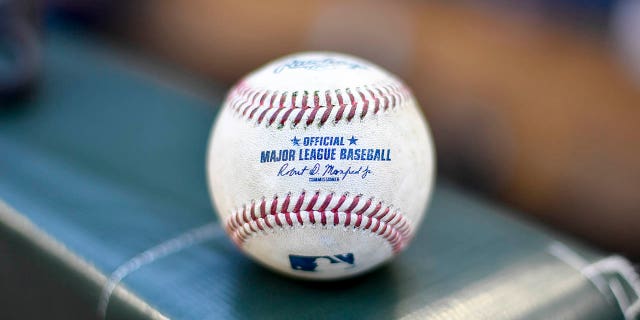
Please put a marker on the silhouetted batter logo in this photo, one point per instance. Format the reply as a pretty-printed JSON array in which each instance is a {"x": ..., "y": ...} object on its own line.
[{"x": 321, "y": 263}]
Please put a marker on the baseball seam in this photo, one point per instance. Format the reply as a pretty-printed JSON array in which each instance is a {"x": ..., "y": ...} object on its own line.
[
  {"x": 366, "y": 215},
  {"x": 308, "y": 107}
]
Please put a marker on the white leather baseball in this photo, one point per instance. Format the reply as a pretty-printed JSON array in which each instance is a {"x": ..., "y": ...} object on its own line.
[{"x": 320, "y": 165}]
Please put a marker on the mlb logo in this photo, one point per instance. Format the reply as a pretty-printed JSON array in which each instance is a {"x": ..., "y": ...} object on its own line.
[{"x": 321, "y": 263}]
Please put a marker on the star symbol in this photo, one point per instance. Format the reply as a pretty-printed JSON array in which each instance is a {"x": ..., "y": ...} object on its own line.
[
  {"x": 296, "y": 141},
  {"x": 352, "y": 140}
]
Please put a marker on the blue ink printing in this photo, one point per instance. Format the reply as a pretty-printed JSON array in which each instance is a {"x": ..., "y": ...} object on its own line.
[
  {"x": 319, "y": 64},
  {"x": 321, "y": 263}
]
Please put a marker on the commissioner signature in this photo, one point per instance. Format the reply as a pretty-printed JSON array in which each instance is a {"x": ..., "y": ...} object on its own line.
[{"x": 329, "y": 170}]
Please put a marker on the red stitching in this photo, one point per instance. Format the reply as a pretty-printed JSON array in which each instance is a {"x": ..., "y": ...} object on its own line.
[
  {"x": 269, "y": 107},
  {"x": 342, "y": 107},
  {"x": 327, "y": 112},
  {"x": 244, "y": 222},
  {"x": 326, "y": 202}
]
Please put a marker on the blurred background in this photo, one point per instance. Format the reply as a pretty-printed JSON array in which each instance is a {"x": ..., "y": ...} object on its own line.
[{"x": 535, "y": 103}]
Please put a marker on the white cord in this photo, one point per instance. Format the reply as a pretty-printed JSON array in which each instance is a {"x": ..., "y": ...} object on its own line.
[{"x": 179, "y": 243}]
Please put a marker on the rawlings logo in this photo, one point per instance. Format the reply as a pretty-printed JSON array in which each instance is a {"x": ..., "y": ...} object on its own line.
[
  {"x": 321, "y": 263},
  {"x": 319, "y": 64}
]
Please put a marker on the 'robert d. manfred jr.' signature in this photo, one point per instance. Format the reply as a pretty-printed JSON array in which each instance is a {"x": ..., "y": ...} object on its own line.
[{"x": 329, "y": 170}]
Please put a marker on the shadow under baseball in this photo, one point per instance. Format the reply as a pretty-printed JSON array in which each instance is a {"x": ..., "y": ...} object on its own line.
[{"x": 268, "y": 295}]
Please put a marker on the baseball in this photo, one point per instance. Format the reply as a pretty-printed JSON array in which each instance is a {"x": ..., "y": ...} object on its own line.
[{"x": 320, "y": 165}]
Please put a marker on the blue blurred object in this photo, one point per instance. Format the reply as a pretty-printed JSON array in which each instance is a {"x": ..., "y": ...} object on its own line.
[
  {"x": 19, "y": 47},
  {"x": 586, "y": 13}
]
